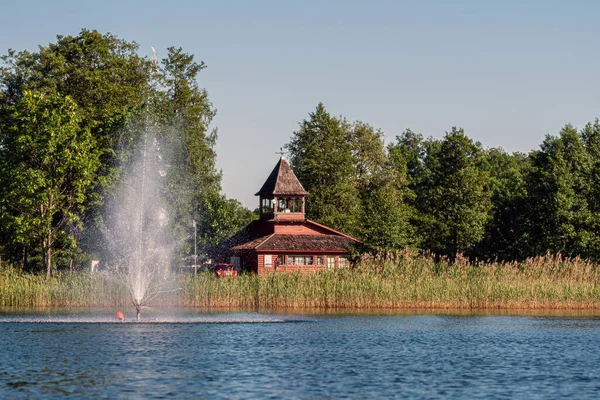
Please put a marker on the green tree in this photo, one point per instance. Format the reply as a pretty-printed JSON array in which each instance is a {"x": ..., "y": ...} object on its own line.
[
  {"x": 119, "y": 96},
  {"x": 590, "y": 135},
  {"x": 103, "y": 75},
  {"x": 368, "y": 152},
  {"x": 506, "y": 236},
  {"x": 387, "y": 211},
  {"x": 222, "y": 219},
  {"x": 321, "y": 154},
  {"x": 386, "y": 198},
  {"x": 194, "y": 183},
  {"x": 561, "y": 193},
  {"x": 47, "y": 163},
  {"x": 109, "y": 82},
  {"x": 406, "y": 159},
  {"x": 454, "y": 195}
]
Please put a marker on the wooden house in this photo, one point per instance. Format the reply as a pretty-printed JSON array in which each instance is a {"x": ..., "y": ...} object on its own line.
[{"x": 282, "y": 239}]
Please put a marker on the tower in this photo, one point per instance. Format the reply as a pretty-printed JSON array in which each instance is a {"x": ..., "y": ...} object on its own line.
[{"x": 282, "y": 197}]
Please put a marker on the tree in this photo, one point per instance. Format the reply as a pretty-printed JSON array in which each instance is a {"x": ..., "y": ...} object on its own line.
[
  {"x": 406, "y": 159},
  {"x": 454, "y": 195},
  {"x": 562, "y": 195},
  {"x": 387, "y": 200},
  {"x": 387, "y": 211},
  {"x": 109, "y": 82},
  {"x": 321, "y": 155},
  {"x": 184, "y": 112},
  {"x": 590, "y": 135},
  {"x": 102, "y": 74},
  {"x": 119, "y": 96},
  {"x": 222, "y": 219},
  {"x": 47, "y": 164},
  {"x": 506, "y": 233}
]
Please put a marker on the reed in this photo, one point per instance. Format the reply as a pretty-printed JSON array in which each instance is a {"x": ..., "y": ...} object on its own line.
[
  {"x": 66, "y": 290},
  {"x": 393, "y": 281}
]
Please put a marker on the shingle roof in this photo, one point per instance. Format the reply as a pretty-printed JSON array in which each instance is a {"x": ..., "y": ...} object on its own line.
[
  {"x": 282, "y": 181},
  {"x": 298, "y": 243}
]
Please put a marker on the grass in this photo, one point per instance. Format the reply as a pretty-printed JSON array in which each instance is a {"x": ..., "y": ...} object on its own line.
[{"x": 393, "y": 282}]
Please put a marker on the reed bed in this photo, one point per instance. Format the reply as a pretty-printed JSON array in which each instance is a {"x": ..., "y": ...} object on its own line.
[
  {"x": 395, "y": 281},
  {"x": 411, "y": 282},
  {"x": 70, "y": 290}
]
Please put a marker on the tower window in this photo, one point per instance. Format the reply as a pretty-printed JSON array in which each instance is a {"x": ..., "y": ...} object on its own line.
[
  {"x": 289, "y": 205},
  {"x": 266, "y": 206}
]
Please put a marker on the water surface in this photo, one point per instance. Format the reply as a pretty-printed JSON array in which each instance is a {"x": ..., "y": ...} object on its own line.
[{"x": 252, "y": 355}]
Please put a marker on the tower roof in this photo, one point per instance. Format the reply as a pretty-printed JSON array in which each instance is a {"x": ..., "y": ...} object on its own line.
[{"x": 282, "y": 181}]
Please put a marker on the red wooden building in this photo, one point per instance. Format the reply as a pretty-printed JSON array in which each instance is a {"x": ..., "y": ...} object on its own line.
[{"x": 282, "y": 239}]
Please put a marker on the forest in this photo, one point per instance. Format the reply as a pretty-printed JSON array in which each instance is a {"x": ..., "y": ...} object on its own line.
[{"x": 71, "y": 114}]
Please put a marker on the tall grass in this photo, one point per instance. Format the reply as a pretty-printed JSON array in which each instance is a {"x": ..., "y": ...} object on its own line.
[
  {"x": 395, "y": 281},
  {"x": 70, "y": 290},
  {"x": 412, "y": 282}
]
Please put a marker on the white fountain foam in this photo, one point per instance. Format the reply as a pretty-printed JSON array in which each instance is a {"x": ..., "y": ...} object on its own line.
[{"x": 137, "y": 231}]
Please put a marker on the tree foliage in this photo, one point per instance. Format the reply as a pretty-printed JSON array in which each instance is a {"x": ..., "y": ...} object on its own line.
[
  {"x": 47, "y": 164},
  {"x": 321, "y": 154},
  {"x": 453, "y": 195},
  {"x": 117, "y": 95},
  {"x": 72, "y": 113},
  {"x": 562, "y": 194}
]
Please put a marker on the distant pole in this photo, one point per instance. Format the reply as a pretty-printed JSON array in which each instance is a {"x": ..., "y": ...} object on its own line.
[{"x": 195, "y": 251}]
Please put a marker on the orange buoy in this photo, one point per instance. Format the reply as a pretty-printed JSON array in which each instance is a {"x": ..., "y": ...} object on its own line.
[{"x": 120, "y": 315}]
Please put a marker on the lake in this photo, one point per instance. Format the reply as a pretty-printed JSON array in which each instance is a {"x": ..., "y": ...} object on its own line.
[{"x": 192, "y": 354}]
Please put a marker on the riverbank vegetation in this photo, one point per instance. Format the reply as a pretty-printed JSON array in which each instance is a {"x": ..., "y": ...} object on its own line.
[{"x": 401, "y": 282}]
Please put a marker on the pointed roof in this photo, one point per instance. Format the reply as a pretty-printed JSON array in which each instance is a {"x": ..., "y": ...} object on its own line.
[{"x": 282, "y": 181}]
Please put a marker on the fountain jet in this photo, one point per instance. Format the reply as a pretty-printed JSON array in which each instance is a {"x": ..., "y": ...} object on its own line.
[{"x": 138, "y": 237}]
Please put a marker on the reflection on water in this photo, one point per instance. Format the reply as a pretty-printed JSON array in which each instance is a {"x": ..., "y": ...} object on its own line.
[{"x": 257, "y": 355}]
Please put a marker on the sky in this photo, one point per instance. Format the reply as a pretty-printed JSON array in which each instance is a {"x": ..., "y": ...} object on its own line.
[{"x": 508, "y": 72}]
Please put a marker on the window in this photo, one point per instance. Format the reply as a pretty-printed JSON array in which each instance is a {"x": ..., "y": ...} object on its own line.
[
  {"x": 300, "y": 260},
  {"x": 280, "y": 260},
  {"x": 266, "y": 206},
  {"x": 320, "y": 260},
  {"x": 268, "y": 260},
  {"x": 343, "y": 262},
  {"x": 330, "y": 262},
  {"x": 296, "y": 260},
  {"x": 289, "y": 205},
  {"x": 295, "y": 205},
  {"x": 281, "y": 206}
]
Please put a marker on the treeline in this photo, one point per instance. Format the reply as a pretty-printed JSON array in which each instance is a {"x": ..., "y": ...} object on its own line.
[
  {"x": 452, "y": 196},
  {"x": 71, "y": 114}
]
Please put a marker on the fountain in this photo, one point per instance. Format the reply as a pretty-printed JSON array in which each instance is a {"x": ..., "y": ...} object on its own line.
[{"x": 139, "y": 244}]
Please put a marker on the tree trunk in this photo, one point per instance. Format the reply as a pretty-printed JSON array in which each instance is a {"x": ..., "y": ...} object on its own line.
[
  {"x": 70, "y": 266},
  {"x": 23, "y": 260},
  {"x": 49, "y": 254},
  {"x": 454, "y": 246}
]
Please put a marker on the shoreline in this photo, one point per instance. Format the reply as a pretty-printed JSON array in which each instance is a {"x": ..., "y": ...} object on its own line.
[{"x": 441, "y": 311}]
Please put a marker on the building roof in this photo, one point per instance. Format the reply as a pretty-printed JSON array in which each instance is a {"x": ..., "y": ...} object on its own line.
[
  {"x": 282, "y": 242},
  {"x": 282, "y": 181}
]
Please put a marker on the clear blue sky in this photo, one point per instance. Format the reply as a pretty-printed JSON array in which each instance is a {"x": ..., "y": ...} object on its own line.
[{"x": 508, "y": 72}]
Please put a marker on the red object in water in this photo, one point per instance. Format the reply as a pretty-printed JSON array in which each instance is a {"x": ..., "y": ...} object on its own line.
[{"x": 120, "y": 315}]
